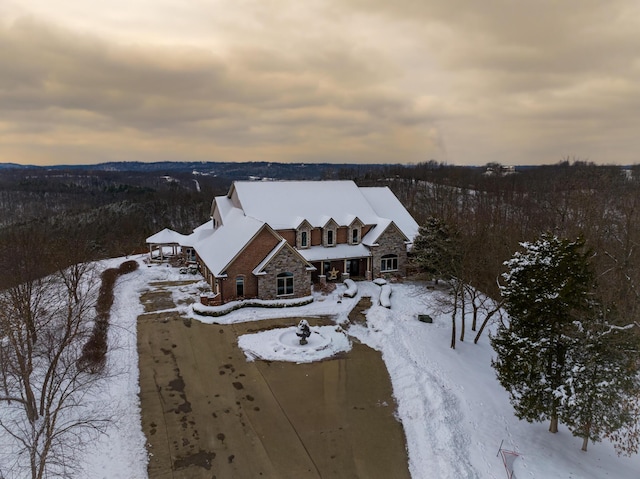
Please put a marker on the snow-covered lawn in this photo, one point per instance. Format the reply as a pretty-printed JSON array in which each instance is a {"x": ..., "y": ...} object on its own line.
[{"x": 454, "y": 412}]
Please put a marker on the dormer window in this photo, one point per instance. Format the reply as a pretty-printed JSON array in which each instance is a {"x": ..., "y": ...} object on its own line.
[
  {"x": 330, "y": 233},
  {"x": 355, "y": 236},
  {"x": 303, "y": 235},
  {"x": 355, "y": 231}
]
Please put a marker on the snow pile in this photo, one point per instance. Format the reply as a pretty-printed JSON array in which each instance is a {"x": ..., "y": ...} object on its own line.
[
  {"x": 385, "y": 295},
  {"x": 352, "y": 288},
  {"x": 282, "y": 344}
]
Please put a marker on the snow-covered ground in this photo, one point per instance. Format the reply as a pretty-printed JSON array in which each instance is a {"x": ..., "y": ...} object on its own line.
[{"x": 454, "y": 412}]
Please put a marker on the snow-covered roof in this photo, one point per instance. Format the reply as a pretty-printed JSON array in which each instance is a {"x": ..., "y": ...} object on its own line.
[
  {"x": 220, "y": 247},
  {"x": 371, "y": 238},
  {"x": 282, "y": 204},
  {"x": 199, "y": 233},
  {"x": 250, "y": 206},
  {"x": 339, "y": 251},
  {"x": 387, "y": 205},
  {"x": 224, "y": 205},
  {"x": 166, "y": 236}
]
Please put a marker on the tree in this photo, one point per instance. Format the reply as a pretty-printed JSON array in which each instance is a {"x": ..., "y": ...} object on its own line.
[
  {"x": 44, "y": 323},
  {"x": 547, "y": 288},
  {"x": 435, "y": 249},
  {"x": 562, "y": 357},
  {"x": 601, "y": 396}
]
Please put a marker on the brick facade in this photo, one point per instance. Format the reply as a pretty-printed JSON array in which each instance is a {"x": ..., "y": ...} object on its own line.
[
  {"x": 316, "y": 236},
  {"x": 243, "y": 265}
]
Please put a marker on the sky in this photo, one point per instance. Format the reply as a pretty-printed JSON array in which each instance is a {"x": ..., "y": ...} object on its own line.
[{"x": 338, "y": 81}]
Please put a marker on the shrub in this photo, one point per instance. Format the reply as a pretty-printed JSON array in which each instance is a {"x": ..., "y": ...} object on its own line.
[{"x": 94, "y": 352}]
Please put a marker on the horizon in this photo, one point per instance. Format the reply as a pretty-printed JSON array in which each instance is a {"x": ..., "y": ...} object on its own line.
[
  {"x": 327, "y": 81},
  {"x": 8, "y": 165}
]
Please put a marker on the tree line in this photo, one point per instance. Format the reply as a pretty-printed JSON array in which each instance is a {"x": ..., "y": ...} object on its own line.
[{"x": 556, "y": 247}]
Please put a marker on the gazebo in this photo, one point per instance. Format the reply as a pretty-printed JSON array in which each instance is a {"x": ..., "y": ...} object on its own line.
[{"x": 166, "y": 244}]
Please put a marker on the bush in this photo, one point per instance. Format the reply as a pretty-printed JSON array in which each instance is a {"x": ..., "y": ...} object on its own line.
[{"x": 94, "y": 352}]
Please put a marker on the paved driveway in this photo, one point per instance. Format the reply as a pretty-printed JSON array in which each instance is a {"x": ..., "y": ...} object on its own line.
[{"x": 208, "y": 413}]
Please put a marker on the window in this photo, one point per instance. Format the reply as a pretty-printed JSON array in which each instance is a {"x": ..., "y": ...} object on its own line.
[
  {"x": 355, "y": 235},
  {"x": 389, "y": 262},
  {"x": 285, "y": 284},
  {"x": 329, "y": 237},
  {"x": 239, "y": 286},
  {"x": 303, "y": 239},
  {"x": 326, "y": 267}
]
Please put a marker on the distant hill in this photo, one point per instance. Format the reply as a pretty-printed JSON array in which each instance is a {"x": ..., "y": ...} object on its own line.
[
  {"x": 257, "y": 170},
  {"x": 7, "y": 166}
]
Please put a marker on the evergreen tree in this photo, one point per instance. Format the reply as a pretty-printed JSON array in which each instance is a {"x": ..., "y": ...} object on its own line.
[
  {"x": 436, "y": 250},
  {"x": 599, "y": 399},
  {"x": 546, "y": 290}
]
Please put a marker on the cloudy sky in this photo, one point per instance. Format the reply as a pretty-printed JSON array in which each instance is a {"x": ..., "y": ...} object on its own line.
[{"x": 366, "y": 81}]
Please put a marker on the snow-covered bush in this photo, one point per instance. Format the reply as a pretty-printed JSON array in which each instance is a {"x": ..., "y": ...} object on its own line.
[
  {"x": 226, "y": 308},
  {"x": 385, "y": 295},
  {"x": 352, "y": 288}
]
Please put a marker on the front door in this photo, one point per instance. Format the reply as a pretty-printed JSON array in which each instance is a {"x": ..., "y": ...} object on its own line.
[{"x": 353, "y": 267}]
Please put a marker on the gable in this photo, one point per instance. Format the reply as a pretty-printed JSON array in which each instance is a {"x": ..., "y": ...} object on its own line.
[
  {"x": 282, "y": 249},
  {"x": 221, "y": 246},
  {"x": 383, "y": 228}
]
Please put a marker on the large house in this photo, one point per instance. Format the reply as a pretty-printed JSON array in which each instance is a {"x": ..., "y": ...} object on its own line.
[{"x": 272, "y": 240}]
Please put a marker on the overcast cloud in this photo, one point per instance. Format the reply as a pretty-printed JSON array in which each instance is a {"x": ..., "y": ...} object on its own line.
[{"x": 368, "y": 81}]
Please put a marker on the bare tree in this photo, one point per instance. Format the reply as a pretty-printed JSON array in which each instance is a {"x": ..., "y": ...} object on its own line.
[{"x": 44, "y": 323}]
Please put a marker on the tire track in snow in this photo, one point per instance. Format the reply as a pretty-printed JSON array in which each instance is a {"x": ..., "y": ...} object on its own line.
[{"x": 438, "y": 446}]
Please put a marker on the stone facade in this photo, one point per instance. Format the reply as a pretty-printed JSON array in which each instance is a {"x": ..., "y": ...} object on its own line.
[
  {"x": 288, "y": 261},
  {"x": 305, "y": 228},
  {"x": 390, "y": 242}
]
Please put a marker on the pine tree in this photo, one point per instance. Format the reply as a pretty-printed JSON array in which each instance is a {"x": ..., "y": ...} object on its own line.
[
  {"x": 603, "y": 381},
  {"x": 436, "y": 250},
  {"x": 546, "y": 290}
]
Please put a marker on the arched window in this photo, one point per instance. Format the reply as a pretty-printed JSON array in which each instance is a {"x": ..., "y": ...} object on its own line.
[
  {"x": 240, "y": 286},
  {"x": 303, "y": 239},
  {"x": 389, "y": 262},
  {"x": 285, "y": 284},
  {"x": 355, "y": 236}
]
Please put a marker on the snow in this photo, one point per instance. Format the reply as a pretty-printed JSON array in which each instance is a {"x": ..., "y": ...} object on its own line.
[
  {"x": 166, "y": 236},
  {"x": 223, "y": 244},
  {"x": 352, "y": 288},
  {"x": 387, "y": 205},
  {"x": 385, "y": 295},
  {"x": 121, "y": 453},
  {"x": 282, "y": 344},
  {"x": 454, "y": 412},
  {"x": 339, "y": 251},
  {"x": 281, "y": 204}
]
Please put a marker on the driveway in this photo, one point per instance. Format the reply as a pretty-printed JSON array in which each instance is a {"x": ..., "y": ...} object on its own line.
[{"x": 208, "y": 413}]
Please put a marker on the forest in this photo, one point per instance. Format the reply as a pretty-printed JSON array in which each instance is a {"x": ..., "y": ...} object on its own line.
[{"x": 88, "y": 214}]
